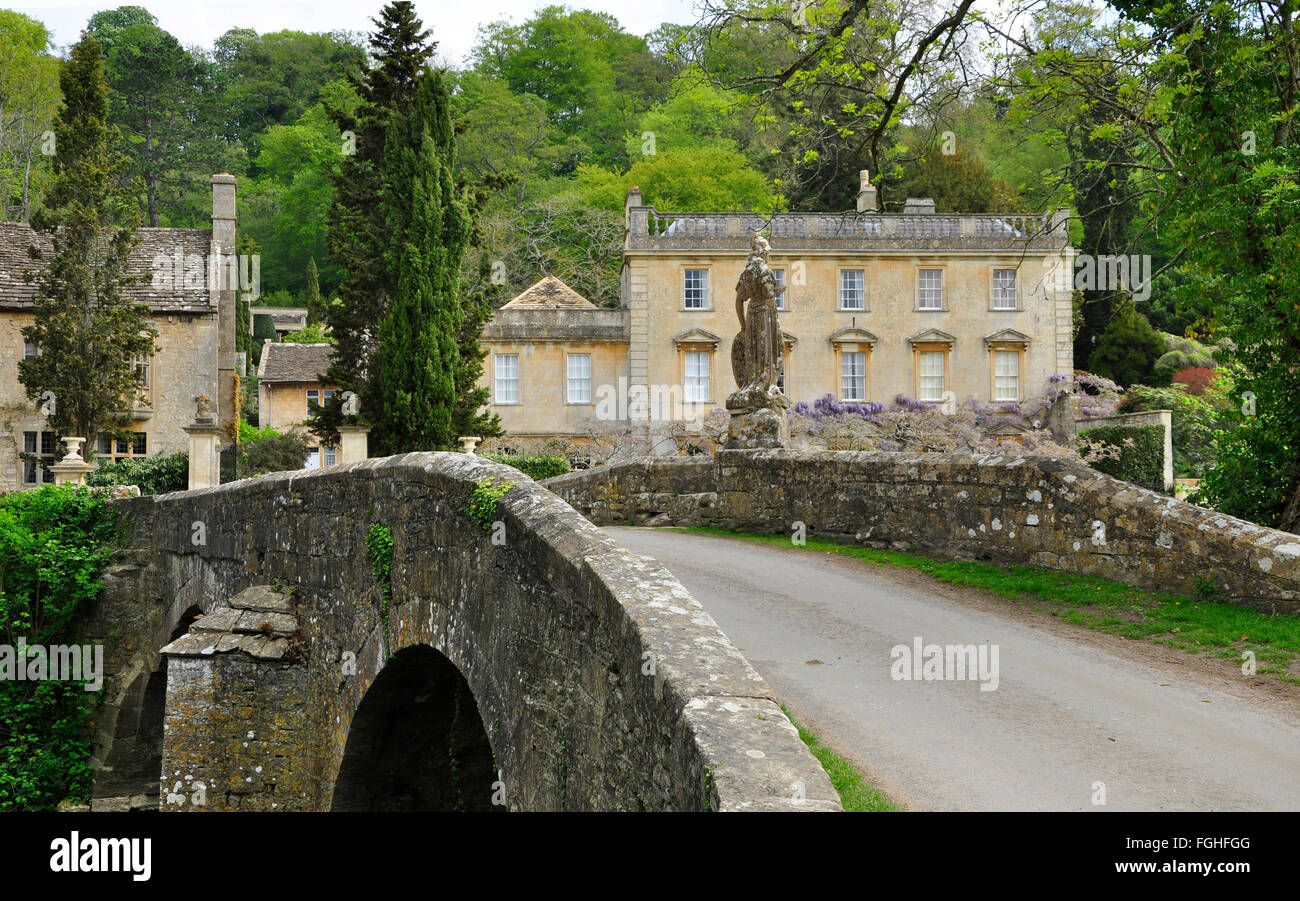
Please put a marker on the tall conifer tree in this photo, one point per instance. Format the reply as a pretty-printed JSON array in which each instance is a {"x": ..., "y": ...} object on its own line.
[{"x": 87, "y": 331}]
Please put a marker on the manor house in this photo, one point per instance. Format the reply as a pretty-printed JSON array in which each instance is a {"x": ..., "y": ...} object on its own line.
[
  {"x": 875, "y": 305},
  {"x": 188, "y": 283}
]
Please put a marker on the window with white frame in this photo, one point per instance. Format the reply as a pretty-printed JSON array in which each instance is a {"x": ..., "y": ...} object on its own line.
[
  {"x": 1004, "y": 289},
  {"x": 695, "y": 387},
  {"x": 930, "y": 289},
  {"x": 505, "y": 370},
  {"x": 780, "y": 285},
  {"x": 853, "y": 375},
  {"x": 853, "y": 289},
  {"x": 780, "y": 379},
  {"x": 43, "y": 446},
  {"x": 696, "y": 295},
  {"x": 1006, "y": 375},
  {"x": 931, "y": 386},
  {"x": 30, "y": 351},
  {"x": 578, "y": 378},
  {"x": 329, "y": 456}
]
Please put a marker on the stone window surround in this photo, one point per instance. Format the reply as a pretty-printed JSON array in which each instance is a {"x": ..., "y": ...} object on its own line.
[
  {"x": 591, "y": 377},
  {"x": 519, "y": 381},
  {"x": 993, "y": 270},
  {"x": 707, "y": 269},
  {"x": 852, "y": 340},
  {"x": 1007, "y": 340},
  {"x": 697, "y": 340},
  {"x": 839, "y": 290},
  {"x": 930, "y": 341},
  {"x": 943, "y": 287}
]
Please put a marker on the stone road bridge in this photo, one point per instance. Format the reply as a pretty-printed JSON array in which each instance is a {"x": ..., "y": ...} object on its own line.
[{"x": 258, "y": 662}]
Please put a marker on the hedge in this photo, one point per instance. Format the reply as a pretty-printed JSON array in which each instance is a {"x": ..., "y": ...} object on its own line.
[
  {"x": 535, "y": 466},
  {"x": 158, "y": 474},
  {"x": 1142, "y": 464}
]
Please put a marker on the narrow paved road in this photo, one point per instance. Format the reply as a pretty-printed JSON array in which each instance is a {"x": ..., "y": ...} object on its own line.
[{"x": 1064, "y": 716}]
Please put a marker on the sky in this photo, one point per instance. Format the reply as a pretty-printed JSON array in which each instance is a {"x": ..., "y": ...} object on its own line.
[{"x": 454, "y": 22}]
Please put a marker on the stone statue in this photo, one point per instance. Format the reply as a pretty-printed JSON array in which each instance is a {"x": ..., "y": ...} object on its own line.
[{"x": 758, "y": 405}]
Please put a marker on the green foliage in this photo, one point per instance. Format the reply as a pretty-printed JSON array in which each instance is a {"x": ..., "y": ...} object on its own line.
[
  {"x": 535, "y": 466},
  {"x": 379, "y": 548},
  {"x": 53, "y": 544},
  {"x": 272, "y": 453},
  {"x": 471, "y": 415},
  {"x": 1128, "y": 348},
  {"x": 697, "y": 179},
  {"x": 958, "y": 183},
  {"x": 158, "y": 474},
  {"x": 482, "y": 507},
  {"x": 312, "y": 334},
  {"x": 249, "y": 432},
  {"x": 29, "y": 86},
  {"x": 1195, "y": 423},
  {"x": 263, "y": 328},
  {"x": 1142, "y": 462}
]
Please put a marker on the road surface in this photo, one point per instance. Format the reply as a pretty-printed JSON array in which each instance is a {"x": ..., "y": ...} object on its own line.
[{"x": 1069, "y": 722}]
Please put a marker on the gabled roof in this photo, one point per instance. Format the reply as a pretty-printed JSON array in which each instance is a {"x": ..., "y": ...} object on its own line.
[
  {"x": 550, "y": 294},
  {"x": 163, "y": 287},
  {"x": 294, "y": 362}
]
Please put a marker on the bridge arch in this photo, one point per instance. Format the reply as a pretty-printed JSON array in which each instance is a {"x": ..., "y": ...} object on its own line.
[{"x": 417, "y": 742}]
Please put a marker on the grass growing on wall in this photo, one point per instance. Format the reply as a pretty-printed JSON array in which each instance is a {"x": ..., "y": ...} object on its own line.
[
  {"x": 54, "y": 542},
  {"x": 855, "y": 794}
]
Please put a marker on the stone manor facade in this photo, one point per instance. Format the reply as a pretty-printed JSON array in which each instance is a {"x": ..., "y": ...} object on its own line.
[{"x": 938, "y": 308}]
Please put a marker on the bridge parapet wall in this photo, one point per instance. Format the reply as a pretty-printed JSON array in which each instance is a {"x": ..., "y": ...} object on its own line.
[
  {"x": 601, "y": 683},
  {"x": 1036, "y": 511}
]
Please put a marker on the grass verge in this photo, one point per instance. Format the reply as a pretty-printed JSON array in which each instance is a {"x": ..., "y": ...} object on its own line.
[
  {"x": 855, "y": 794},
  {"x": 1200, "y": 626}
]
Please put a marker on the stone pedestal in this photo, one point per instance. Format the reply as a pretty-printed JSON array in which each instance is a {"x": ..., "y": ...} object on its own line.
[
  {"x": 759, "y": 428},
  {"x": 72, "y": 469},
  {"x": 354, "y": 443},
  {"x": 205, "y": 454}
]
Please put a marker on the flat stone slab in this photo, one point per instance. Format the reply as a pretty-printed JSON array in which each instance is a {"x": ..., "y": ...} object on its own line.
[{"x": 258, "y": 623}]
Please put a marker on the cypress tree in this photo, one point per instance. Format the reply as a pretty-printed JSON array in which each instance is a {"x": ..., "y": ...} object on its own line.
[
  {"x": 355, "y": 231},
  {"x": 88, "y": 333},
  {"x": 315, "y": 310},
  {"x": 468, "y": 416},
  {"x": 427, "y": 227}
]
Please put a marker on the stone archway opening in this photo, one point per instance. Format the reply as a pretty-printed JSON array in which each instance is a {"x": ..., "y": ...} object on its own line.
[{"x": 417, "y": 742}]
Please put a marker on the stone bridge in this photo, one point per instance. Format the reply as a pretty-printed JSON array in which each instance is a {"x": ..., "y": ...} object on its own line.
[{"x": 260, "y": 661}]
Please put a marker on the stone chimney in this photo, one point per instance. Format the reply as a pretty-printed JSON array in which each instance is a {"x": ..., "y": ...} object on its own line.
[
  {"x": 223, "y": 242},
  {"x": 919, "y": 206},
  {"x": 867, "y": 202},
  {"x": 633, "y": 199}
]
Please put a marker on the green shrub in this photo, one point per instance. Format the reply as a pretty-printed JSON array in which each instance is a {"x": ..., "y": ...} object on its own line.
[
  {"x": 1142, "y": 464},
  {"x": 53, "y": 544},
  {"x": 535, "y": 466},
  {"x": 263, "y": 328},
  {"x": 158, "y": 474},
  {"x": 272, "y": 453}
]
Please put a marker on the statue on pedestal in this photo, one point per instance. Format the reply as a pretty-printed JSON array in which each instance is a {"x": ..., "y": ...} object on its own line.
[{"x": 758, "y": 406}]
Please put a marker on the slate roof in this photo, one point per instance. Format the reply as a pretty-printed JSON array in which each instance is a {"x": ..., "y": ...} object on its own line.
[
  {"x": 294, "y": 362},
  {"x": 550, "y": 294},
  {"x": 16, "y": 294}
]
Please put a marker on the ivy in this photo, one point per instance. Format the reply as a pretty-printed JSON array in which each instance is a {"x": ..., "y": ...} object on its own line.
[
  {"x": 379, "y": 548},
  {"x": 482, "y": 507},
  {"x": 1141, "y": 462},
  {"x": 54, "y": 542}
]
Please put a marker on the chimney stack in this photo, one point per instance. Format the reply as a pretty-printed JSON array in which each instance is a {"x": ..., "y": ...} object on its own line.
[
  {"x": 223, "y": 242},
  {"x": 866, "y": 194}
]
